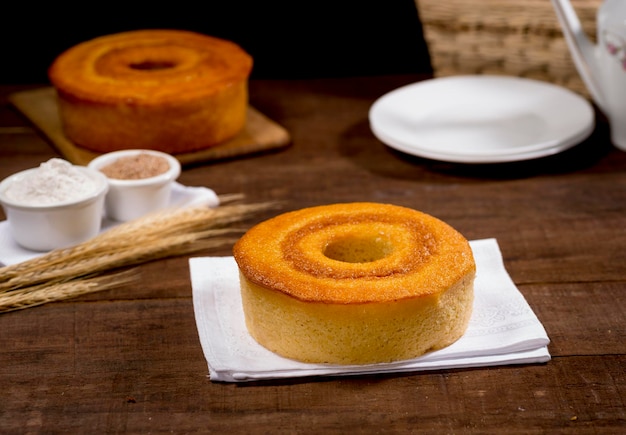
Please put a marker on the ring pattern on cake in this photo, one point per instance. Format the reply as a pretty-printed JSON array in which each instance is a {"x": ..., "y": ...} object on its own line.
[{"x": 364, "y": 246}]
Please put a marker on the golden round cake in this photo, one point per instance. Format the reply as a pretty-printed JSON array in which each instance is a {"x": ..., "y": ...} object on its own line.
[
  {"x": 355, "y": 283},
  {"x": 167, "y": 90}
]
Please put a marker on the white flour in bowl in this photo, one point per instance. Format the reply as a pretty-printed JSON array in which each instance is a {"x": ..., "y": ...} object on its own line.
[{"x": 53, "y": 182}]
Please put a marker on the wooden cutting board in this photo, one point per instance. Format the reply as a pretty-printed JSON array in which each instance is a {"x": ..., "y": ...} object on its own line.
[{"x": 40, "y": 107}]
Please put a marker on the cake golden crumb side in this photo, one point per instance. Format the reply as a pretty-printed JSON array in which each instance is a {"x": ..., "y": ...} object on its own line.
[
  {"x": 355, "y": 283},
  {"x": 348, "y": 334}
]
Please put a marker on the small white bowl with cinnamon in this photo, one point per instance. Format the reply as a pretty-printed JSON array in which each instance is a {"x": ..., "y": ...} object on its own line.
[{"x": 140, "y": 181}]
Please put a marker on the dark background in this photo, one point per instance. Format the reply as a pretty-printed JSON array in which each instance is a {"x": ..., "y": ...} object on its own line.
[{"x": 286, "y": 39}]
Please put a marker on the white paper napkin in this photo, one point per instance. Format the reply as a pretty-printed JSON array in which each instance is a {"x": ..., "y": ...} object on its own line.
[
  {"x": 503, "y": 328},
  {"x": 12, "y": 253}
]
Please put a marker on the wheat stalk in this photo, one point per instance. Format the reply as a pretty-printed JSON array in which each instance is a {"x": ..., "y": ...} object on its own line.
[
  {"x": 62, "y": 273},
  {"x": 42, "y": 294}
]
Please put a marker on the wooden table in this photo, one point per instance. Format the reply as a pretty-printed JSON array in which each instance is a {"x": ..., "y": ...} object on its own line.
[{"x": 129, "y": 360}]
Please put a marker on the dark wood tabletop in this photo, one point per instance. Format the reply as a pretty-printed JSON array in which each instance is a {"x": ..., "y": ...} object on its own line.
[{"x": 129, "y": 360}]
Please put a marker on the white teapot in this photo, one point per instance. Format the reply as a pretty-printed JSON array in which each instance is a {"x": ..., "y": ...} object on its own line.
[{"x": 602, "y": 66}]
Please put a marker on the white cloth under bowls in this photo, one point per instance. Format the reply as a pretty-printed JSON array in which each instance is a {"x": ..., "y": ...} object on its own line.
[{"x": 12, "y": 253}]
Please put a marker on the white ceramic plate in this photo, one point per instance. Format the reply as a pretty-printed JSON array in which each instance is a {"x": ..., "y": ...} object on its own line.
[{"x": 481, "y": 119}]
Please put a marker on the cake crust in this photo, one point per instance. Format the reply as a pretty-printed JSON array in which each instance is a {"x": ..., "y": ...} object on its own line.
[
  {"x": 288, "y": 253},
  {"x": 149, "y": 67}
]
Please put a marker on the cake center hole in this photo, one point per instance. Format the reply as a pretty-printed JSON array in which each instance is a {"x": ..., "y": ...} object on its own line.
[
  {"x": 356, "y": 249},
  {"x": 151, "y": 65}
]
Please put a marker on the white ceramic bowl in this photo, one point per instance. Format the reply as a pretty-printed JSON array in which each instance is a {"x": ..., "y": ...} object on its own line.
[
  {"x": 130, "y": 199},
  {"x": 60, "y": 225}
]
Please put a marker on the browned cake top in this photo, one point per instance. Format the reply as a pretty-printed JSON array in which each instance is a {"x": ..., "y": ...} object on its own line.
[
  {"x": 149, "y": 67},
  {"x": 334, "y": 253}
]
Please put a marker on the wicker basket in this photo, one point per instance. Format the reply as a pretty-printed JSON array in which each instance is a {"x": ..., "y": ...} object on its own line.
[{"x": 504, "y": 37}]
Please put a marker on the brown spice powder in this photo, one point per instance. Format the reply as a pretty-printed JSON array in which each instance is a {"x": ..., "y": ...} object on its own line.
[{"x": 136, "y": 167}]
